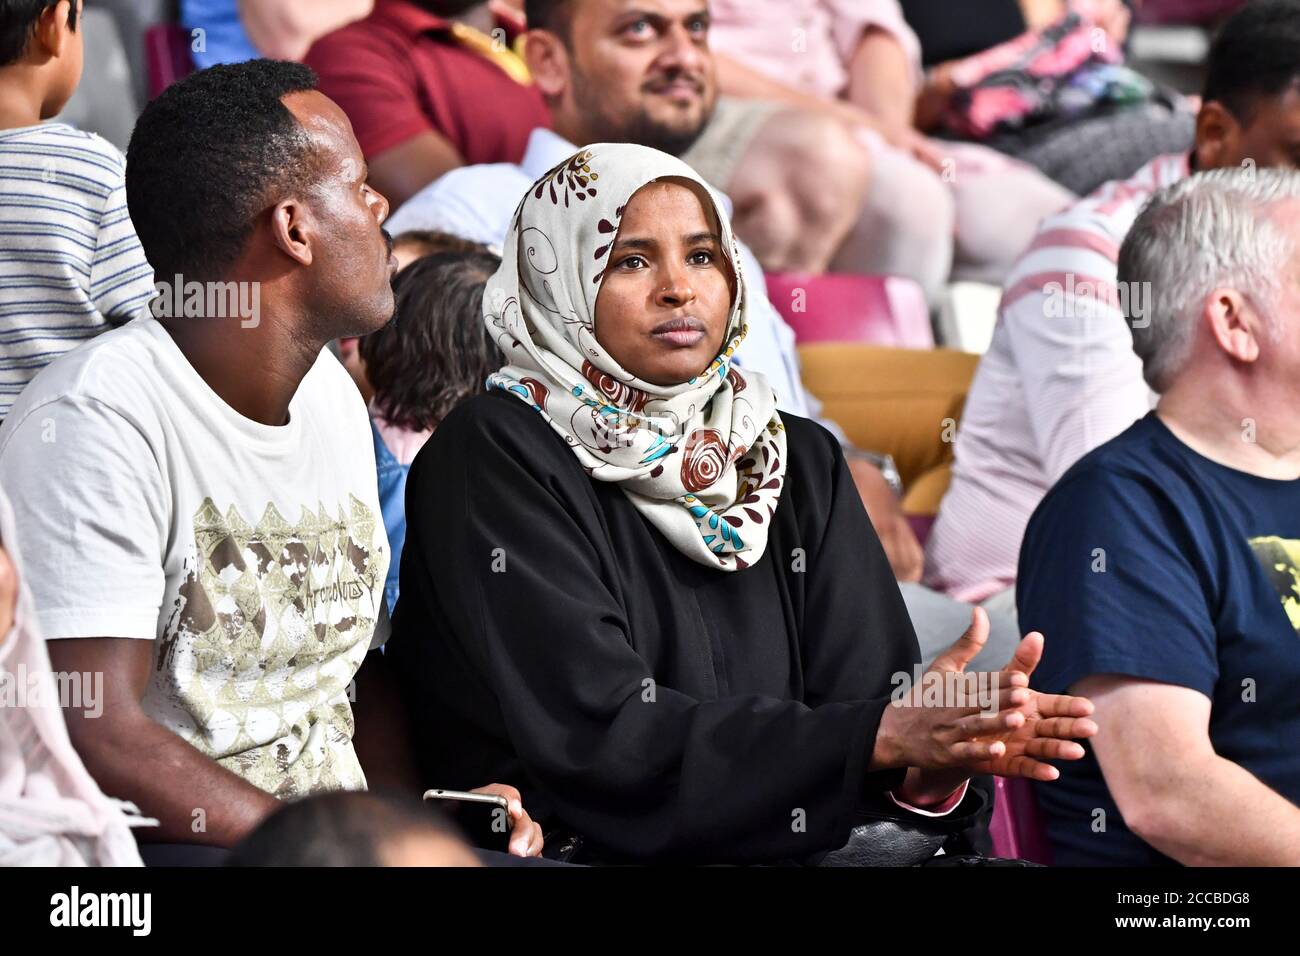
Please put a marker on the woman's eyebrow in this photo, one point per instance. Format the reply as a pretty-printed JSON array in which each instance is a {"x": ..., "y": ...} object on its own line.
[
  {"x": 636, "y": 242},
  {"x": 646, "y": 242}
]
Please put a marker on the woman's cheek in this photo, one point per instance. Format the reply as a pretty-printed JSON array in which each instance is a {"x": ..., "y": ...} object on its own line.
[{"x": 720, "y": 300}]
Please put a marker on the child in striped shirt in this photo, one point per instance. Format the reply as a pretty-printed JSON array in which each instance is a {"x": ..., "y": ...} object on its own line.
[{"x": 70, "y": 263}]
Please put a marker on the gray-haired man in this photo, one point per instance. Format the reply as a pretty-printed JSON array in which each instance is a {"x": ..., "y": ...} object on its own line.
[{"x": 1164, "y": 567}]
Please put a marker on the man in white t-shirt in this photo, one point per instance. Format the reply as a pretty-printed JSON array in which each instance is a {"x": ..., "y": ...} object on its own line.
[{"x": 197, "y": 489}]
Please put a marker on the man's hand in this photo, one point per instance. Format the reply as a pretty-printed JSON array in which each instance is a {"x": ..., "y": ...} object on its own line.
[
  {"x": 902, "y": 137},
  {"x": 285, "y": 30},
  {"x": 920, "y": 147},
  {"x": 1113, "y": 16},
  {"x": 525, "y": 835},
  {"x": 886, "y": 513}
]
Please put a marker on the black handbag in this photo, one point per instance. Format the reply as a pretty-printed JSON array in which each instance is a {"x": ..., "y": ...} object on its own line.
[
  {"x": 890, "y": 836},
  {"x": 883, "y": 835}
]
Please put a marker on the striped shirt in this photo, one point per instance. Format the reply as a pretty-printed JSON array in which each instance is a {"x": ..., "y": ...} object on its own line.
[
  {"x": 1059, "y": 379},
  {"x": 70, "y": 262}
]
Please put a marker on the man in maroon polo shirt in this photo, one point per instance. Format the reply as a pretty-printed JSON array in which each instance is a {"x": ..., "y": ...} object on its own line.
[{"x": 429, "y": 85}]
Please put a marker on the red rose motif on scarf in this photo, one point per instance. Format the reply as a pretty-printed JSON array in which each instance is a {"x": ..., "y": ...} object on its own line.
[
  {"x": 738, "y": 382},
  {"x": 704, "y": 459},
  {"x": 619, "y": 393},
  {"x": 536, "y": 390}
]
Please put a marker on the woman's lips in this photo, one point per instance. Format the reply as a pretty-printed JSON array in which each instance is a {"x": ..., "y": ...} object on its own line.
[
  {"x": 680, "y": 338},
  {"x": 679, "y": 333}
]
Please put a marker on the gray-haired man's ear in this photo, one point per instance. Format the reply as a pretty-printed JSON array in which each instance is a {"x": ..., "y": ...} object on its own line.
[{"x": 1234, "y": 323}]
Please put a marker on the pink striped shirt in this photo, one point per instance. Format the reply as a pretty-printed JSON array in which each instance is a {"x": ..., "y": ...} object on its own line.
[{"x": 1059, "y": 379}]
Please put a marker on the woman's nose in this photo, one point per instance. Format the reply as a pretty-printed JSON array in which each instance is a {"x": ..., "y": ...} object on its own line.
[{"x": 674, "y": 289}]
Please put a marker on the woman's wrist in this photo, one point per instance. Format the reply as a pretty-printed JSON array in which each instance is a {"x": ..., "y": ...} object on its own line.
[
  {"x": 924, "y": 788},
  {"x": 887, "y": 752}
]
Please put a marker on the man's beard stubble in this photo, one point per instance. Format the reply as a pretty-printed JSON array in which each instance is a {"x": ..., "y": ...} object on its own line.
[{"x": 635, "y": 127}]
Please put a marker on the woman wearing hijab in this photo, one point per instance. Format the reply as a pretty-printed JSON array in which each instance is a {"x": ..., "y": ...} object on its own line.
[
  {"x": 51, "y": 812},
  {"x": 633, "y": 586}
]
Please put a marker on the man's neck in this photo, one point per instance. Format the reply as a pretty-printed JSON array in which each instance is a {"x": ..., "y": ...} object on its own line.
[
  {"x": 1241, "y": 431},
  {"x": 256, "y": 371},
  {"x": 568, "y": 128}
]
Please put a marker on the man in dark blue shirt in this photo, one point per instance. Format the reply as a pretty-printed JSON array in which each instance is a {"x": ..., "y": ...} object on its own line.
[{"x": 1164, "y": 567}]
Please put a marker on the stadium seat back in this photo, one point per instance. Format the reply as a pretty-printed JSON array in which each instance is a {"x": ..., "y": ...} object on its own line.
[
  {"x": 904, "y": 402},
  {"x": 167, "y": 56},
  {"x": 1017, "y": 827},
  {"x": 872, "y": 310}
]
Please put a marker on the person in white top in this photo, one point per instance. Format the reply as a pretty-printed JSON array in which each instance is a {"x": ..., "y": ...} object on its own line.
[
  {"x": 1060, "y": 377},
  {"x": 197, "y": 488}
]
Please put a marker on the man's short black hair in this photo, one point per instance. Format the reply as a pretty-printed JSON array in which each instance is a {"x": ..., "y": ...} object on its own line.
[
  {"x": 338, "y": 828},
  {"x": 208, "y": 156},
  {"x": 550, "y": 15},
  {"x": 18, "y": 23},
  {"x": 1255, "y": 56}
]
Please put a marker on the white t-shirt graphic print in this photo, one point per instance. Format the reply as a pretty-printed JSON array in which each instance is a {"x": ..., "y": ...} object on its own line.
[{"x": 254, "y": 556}]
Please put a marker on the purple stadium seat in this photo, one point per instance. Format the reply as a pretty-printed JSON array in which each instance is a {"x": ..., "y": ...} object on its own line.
[
  {"x": 871, "y": 310},
  {"x": 166, "y": 55},
  {"x": 1186, "y": 11},
  {"x": 921, "y": 525},
  {"x": 1016, "y": 828}
]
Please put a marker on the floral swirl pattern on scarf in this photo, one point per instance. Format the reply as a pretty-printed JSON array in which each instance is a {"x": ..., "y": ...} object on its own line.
[{"x": 703, "y": 461}]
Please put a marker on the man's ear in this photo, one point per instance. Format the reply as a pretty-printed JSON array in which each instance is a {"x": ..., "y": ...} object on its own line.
[
  {"x": 1218, "y": 137},
  {"x": 293, "y": 230},
  {"x": 1235, "y": 324},
  {"x": 548, "y": 62}
]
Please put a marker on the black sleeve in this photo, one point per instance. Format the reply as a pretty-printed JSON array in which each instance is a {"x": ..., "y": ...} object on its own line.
[
  {"x": 857, "y": 635},
  {"x": 737, "y": 779}
]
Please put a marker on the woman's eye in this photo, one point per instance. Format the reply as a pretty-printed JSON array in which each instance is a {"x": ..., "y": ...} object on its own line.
[
  {"x": 632, "y": 262},
  {"x": 701, "y": 257}
]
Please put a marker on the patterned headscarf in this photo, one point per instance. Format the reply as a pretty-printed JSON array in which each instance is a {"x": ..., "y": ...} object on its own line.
[{"x": 703, "y": 461}]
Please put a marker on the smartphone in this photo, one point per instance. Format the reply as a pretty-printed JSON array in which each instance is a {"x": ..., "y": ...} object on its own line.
[{"x": 484, "y": 818}]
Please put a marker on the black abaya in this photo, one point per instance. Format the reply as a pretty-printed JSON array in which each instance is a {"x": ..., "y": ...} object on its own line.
[{"x": 551, "y": 638}]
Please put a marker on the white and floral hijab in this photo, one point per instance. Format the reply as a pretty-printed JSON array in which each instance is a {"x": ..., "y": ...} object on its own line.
[{"x": 703, "y": 461}]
